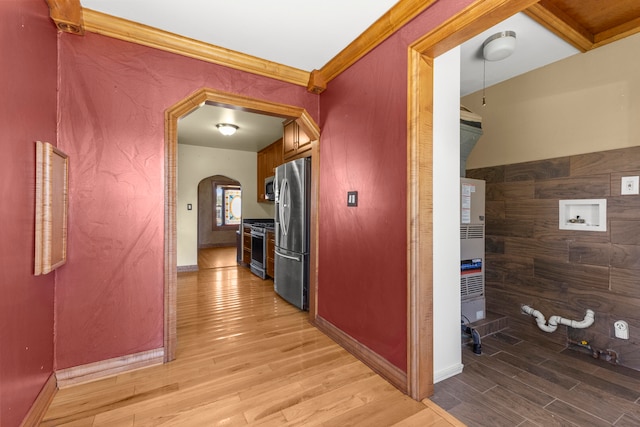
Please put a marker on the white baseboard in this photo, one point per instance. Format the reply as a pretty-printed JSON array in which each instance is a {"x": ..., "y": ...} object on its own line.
[
  {"x": 106, "y": 368},
  {"x": 448, "y": 372}
]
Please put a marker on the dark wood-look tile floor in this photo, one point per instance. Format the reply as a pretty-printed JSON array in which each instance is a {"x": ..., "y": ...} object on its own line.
[{"x": 515, "y": 382}]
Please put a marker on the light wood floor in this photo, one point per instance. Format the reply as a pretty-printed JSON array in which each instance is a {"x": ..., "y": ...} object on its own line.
[
  {"x": 217, "y": 257},
  {"x": 244, "y": 356},
  {"x": 516, "y": 382}
]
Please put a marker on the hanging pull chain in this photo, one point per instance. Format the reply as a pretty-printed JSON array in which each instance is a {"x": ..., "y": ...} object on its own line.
[{"x": 484, "y": 80}]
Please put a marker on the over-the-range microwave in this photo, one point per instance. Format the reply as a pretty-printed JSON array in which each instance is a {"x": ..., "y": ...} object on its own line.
[{"x": 269, "y": 188}]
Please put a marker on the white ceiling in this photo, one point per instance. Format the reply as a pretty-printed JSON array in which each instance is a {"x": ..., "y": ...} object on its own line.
[
  {"x": 302, "y": 34},
  {"x": 535, "y": 48},
  {"x": 255, "y": 131},
  {"x": 306, "y": 35}
]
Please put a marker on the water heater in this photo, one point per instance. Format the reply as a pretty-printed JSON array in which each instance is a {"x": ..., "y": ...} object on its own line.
[{"x": 472, "y": 236}]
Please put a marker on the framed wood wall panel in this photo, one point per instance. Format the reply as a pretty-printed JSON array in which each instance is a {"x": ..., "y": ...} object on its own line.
[
  {"x": 509, "y": 191},
  {"x": 625, "y": 232},
  {"x": 52, "y": 189},
  {"x": 623, "y": 208},
  {"x": 624, "y": 282},
  {"x": 590, "y": 253},
  {"x": 532, "y": 247},
  {"x": 547, "y": 229},
  {"x": 582, "y": 187},
  {"x": 538, "y": 170},
  {"x": 510, "y": 227},
  {"x": 611, "y": 161},
  {"x": 491, "y": 175},
  {"x": 530, "y": 209}
]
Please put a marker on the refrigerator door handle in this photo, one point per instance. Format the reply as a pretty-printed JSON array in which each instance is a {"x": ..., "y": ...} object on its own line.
[
  {"x": 295, "y": 258},
  {"x": 283, "y": 207}
]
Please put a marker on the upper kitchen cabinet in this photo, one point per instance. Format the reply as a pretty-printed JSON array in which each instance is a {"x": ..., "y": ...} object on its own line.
[
  {"x": 295, "y": 142},
  {"x": 269, "y": 158}
]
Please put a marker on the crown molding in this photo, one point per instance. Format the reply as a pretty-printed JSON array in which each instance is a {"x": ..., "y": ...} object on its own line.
[
  {"x": 550, "y": 16},
  {"x": 70, "y": 17},
  {"x": 400, "y": 14},
  {"x": 122, "y": 29},
  {"x": 617, "y": 33},
  {"x": 562, "y": 25}
]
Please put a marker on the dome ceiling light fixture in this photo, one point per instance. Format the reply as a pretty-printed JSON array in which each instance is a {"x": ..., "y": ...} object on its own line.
[
  {"x": 499, "y": 46},
  {"x": 496, "y": 48},
  {"x": 227, "y": 129}
]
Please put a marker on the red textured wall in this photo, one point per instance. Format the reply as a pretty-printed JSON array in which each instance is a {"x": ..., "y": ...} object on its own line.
[
  {"x": 112, "y": 101},
  {"x": 27, "y": 114},
  {"x": 363, "y": 250}
]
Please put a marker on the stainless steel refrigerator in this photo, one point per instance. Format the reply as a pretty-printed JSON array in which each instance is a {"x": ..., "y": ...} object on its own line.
[{"x": 292, "y": 188}]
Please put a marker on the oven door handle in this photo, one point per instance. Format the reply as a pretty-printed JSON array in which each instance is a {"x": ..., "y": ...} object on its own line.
[
  {"x": 295, "y": 258},
  {"x": 257, "y": 234}
]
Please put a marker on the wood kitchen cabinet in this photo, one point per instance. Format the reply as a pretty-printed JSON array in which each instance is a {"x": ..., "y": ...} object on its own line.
[
  {"x": 295, "y": 142},
  {"x": 246, "y": 245},
  {"x": 271, "y": 252},
  {"x": 269, "y": 158}
]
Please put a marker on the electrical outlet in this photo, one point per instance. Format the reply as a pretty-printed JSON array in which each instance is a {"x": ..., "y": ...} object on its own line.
[
  {"x": 629, "y": 185},
  {"x": 621, "y": 329}
]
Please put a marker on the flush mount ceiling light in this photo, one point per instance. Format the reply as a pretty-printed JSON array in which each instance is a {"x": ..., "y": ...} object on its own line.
[
  {"x": 227, "y": 129},
  {"x": 499, "y": 46}
]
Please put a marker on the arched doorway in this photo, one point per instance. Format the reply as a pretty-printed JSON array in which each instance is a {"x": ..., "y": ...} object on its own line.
[
  {"x": 219, "y": 216},
  {"x": 228, "y": 100}
]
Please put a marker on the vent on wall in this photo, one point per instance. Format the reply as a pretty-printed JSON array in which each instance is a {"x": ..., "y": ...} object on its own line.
[
  {"x": 471, "y": 232},
  {"x": 472, "y": 286}
]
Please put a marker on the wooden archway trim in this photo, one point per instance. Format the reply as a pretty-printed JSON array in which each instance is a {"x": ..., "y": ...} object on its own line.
[
  {"x": 477, "y": 17},
  {"x": 229, "y": 100}
]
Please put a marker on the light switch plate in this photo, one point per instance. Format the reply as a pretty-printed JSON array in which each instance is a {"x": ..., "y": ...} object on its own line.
[
  {"x": 629, "y": 185},
  {"x": 352, "y": 198}
]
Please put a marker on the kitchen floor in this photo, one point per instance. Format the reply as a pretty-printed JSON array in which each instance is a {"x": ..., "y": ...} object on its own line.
[
  {"x": 518, "y": 383},
  {"x": 217, "y": 257}
]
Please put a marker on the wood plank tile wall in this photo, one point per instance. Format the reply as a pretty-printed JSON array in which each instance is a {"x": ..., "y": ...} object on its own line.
[{"x": 564, "y": 272}]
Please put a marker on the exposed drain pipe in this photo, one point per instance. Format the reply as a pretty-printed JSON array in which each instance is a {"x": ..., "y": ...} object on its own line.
[
  {"x": 588, "y": 320},
  {"x": 477, "y": 345}
]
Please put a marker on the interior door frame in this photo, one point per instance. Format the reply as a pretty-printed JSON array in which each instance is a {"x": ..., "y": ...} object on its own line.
[
  {"x": 238, "y": 102},
  {"x": 477, "y": 17}
]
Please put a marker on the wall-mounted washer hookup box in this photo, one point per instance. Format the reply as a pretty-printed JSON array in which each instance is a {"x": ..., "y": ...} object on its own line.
[{"x": 583, "y": 214}]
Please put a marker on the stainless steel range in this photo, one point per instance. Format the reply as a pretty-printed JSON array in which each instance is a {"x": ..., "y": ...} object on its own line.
[{"x": 258, "y": 263}]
